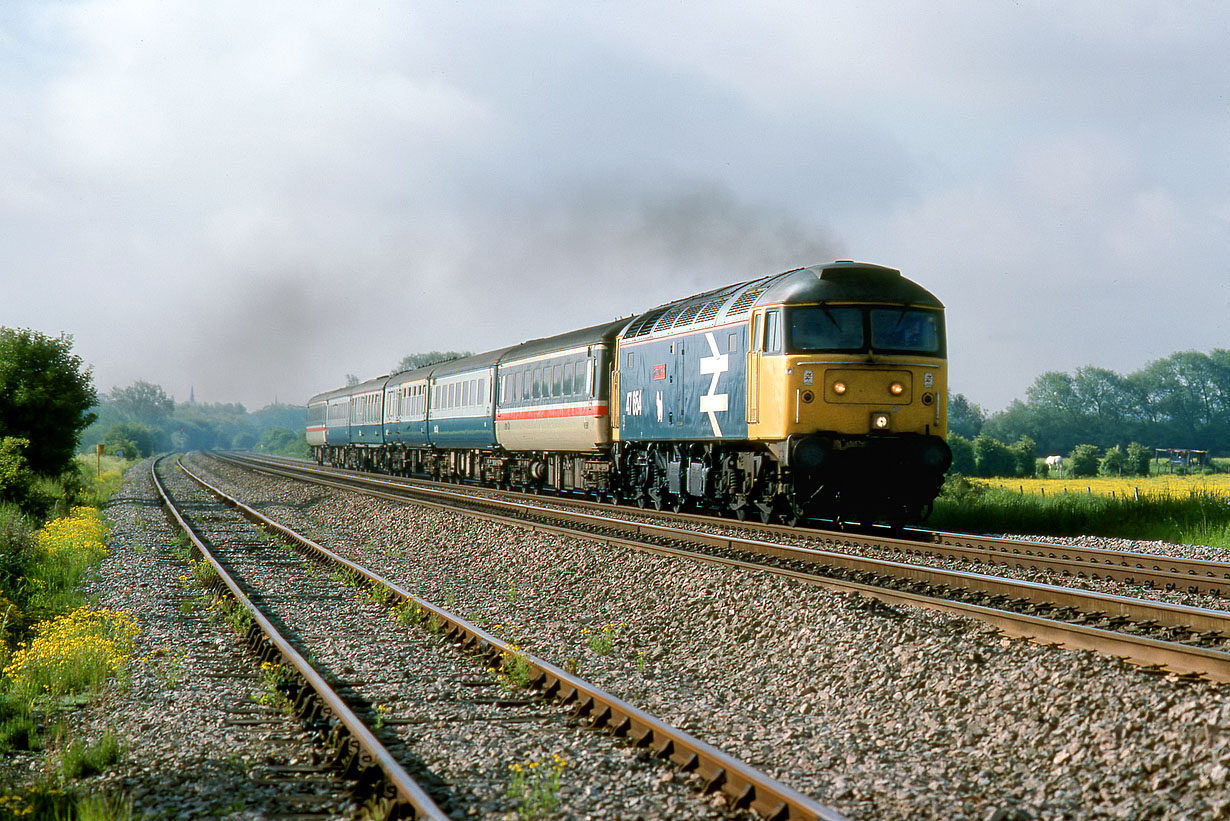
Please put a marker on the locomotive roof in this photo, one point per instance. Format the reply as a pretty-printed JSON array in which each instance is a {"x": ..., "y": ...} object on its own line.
[{"x": 842, "y": 281}]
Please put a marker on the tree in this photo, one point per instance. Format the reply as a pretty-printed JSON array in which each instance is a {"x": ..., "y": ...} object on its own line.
[
  {"x": 46, "y": 395},
  {"x": 1083, "y": 461},
  {"x": 143, "y": 402},
  {"x": 964, "y": 417},
  {"x": 418, "y": 360}
]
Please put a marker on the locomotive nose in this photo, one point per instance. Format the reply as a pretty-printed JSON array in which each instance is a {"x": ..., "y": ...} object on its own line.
[{"x": 936, "y": 455}]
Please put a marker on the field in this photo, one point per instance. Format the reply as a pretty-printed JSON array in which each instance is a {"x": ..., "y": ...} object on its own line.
[
  {"x": 1132, "y": 487},
  {"x": 1172, "y": 508}
]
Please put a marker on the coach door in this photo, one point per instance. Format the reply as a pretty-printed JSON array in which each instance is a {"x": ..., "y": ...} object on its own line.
[
  {"x": 755, "y": 349},
  {"x": 616, "y": 403}
]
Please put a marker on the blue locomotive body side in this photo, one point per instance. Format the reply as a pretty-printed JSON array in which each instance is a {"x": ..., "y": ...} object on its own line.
[{"x": 689, "y": 387}]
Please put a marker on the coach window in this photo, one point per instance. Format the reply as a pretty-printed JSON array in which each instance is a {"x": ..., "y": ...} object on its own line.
[
  {"x": 567, "y": 379},
  {"x": 537, "y": 383},
  {"x": 773, "y": 332},
  {"x": 557, "y": 383}
]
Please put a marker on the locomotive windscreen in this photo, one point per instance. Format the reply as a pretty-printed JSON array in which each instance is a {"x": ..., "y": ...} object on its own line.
[{"x": 850, "y": 329}]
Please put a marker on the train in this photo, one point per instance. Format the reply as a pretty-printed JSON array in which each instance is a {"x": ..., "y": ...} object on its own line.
[{"x": 816, "y": 393}]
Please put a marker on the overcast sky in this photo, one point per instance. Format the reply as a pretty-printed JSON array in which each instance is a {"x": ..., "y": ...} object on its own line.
[{"x": 250, "y": 200}]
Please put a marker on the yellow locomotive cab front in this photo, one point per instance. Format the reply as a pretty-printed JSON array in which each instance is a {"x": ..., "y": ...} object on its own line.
[{"x": 852, "y": 399}]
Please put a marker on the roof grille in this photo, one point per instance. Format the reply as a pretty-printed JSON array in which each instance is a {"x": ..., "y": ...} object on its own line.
[
  {"x": 668, "y": 318},
  {"x": 688, "y": 314},
  {"x": 746, "y": 299},
  {"x": 644, "y": 325}
]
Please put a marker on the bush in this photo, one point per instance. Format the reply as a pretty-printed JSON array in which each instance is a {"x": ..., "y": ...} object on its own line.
[
  {"x": 137, "y": 441},
  {"x": 1138, "y": 459},
  {"x": 1112, "y": 463},
  {"x": 1025, "y": 450},
  {"x": 993, "y": 457},
  {"x": 962, "y": 456},
  {"x": 16, "y": 480},
  {"x": 1083, "y": 461},
  {"x": 284, "y": 442},
  {"x": 73, "y": 653}
]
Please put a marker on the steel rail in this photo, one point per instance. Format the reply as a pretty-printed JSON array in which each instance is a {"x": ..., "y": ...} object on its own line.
[
  {"x": 1176, "y": 657},
  {"x": 1199, "y": 575},
  {"x": 409, "y": 798},
  {"x": 743, "y": 786}
]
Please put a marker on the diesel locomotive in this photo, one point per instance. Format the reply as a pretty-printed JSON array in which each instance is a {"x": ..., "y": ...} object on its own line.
[{"x": 820, "y": 392}]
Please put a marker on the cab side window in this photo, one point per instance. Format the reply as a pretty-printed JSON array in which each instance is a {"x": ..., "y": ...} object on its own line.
[{"x": 773, "y": 332}]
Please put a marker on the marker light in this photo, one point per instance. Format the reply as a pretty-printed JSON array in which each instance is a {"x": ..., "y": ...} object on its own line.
[
  {"x": 879, "y": 421},
  {"x": 896, "y": 389},
  {"x": 839, "y": 388}
]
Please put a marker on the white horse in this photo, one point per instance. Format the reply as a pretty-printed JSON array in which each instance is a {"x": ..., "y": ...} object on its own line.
[{"x": 1054, "y": 462}]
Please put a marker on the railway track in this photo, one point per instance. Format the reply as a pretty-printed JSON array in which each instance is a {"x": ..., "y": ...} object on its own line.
[
  {"x": 1184, "y": 640},
  {"x": 1149, "y": 570},
  {"x": 372, "y": 715}
]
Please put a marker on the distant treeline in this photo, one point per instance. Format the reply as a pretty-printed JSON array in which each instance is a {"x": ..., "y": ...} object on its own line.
[
  {"x": 142, "y": 420},
  {"x": 1182, "y": 401}
]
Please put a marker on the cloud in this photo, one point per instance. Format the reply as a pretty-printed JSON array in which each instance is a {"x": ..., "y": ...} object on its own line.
[{"x": 348, "y": 182}]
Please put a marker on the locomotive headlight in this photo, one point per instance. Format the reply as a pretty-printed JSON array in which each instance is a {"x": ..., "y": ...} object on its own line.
[
  {"x": 879, "y": 421},
  {"x": 896, "y": 389},
  {"x": 839, "y": 388}
]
